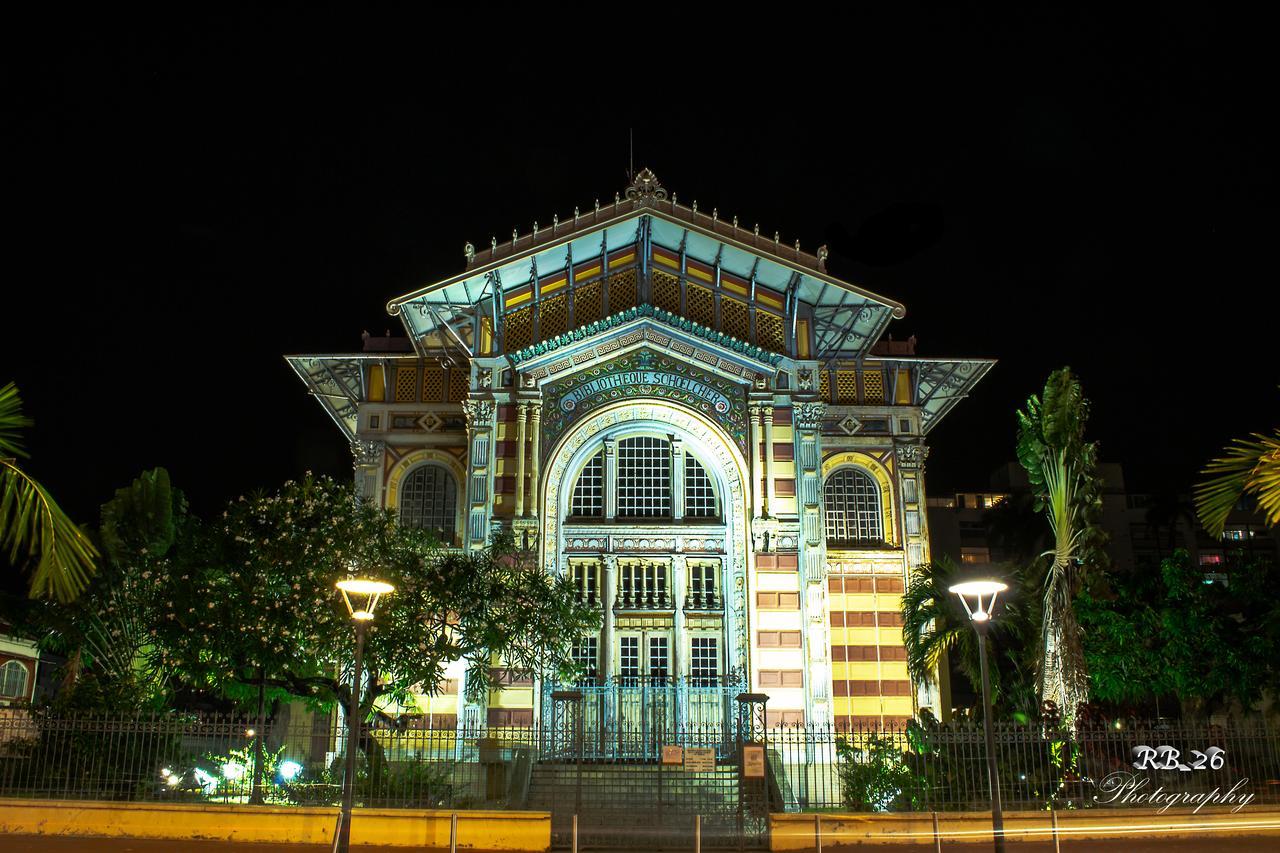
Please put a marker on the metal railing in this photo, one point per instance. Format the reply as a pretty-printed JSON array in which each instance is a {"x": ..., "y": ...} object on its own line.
[{"x": 174, "y": 757}]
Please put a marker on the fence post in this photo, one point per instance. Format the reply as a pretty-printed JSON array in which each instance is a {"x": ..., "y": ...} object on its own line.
[
  {"x": 453, "y": 833},
  {"x": 937, "y": 836},
  {"x": 1053, "y": 820},
  {"x": 697, "y": 833},
  {"x": 817, "y": 832},
  {"x": 575, "y": 832}
]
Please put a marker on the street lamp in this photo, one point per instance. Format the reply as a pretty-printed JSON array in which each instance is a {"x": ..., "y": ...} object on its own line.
[
  {"x": 972, "y": 595},
  {"x": 361, "y": 597}
]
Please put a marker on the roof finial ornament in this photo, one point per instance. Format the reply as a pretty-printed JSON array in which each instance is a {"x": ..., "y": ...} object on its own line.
[
  {"x": 555, "y": 222},
  {"x": 797, "y": 245},
  {"x": 695, "y": 205},
  {"x": 757, "y": 229},
  {"x": 735, "y": 223},
  {"x": 597, "y": 207},
  {"x": 470, "y": 251},
  {"x": 673, "y": 200},
  {"x": 515, "y": 234},
  {"x": 493, "y": 245},
  {"x": 645, "y": 186},
  {"x": 535, "y": 229},
  {"x": 777, "y": 238},
  {"x": 575, "y": 216},
  {"x": 715, "y": 214},
  {"x": 823, "y": 252}
]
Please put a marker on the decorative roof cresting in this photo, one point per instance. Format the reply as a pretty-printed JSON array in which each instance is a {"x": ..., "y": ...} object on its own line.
[{"x": 645, "y": 186}]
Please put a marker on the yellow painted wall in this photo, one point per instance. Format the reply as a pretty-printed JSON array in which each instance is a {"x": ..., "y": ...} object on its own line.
[
  {"x": 485, "y": 830},
  {"x": 799, "y": 831}
]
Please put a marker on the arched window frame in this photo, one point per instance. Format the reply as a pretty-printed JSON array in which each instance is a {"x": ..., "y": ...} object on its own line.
[
  {"x": 844, "y": 529},
  {"x": 6, "y": 677},
  {"x": 608, "y": 450},
  {"x": 449, "y": 516}
]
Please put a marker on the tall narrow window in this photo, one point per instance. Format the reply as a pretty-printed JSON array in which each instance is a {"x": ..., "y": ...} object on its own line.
[
  {"x": 588, "y": 492},
  {"x": 429, "y": 500},
  {"x": 704, "y": 662},
  {"x": 585, "y": 653},
  {"x": 699, "y": 496},
  {"x": 13, "y": 680},
  {"x": 629, "y": 659},
  {"x": 851, "y": 503},
  {"x": 659, "y": 660},
  {"x": 644, "y": 478}
]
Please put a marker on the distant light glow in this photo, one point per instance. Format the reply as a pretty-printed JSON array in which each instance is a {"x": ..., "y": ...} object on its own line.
[
  {"x": 289, "y": 770},
  {"x": 206, "y": 781},
  {"x": 979, "y": 588},
  {"x": 365, "y": 587},
  {"x": 233, "y": 771}
]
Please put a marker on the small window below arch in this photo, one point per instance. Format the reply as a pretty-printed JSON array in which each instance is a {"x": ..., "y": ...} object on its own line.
[
  {"x": 13, "y": 680},
  {"x": 851, "y": 504},
  {"x": 699, "y": 494},
  {"x": 429, "y": 501},
  {"x": 588, "y": 492}
]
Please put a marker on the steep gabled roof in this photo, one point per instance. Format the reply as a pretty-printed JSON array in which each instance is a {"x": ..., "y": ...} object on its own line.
[{"x": 847, "y": 319}]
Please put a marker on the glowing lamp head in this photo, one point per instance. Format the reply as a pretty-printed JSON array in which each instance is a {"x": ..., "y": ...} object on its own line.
[
  {"x": 979, "y": 598},
  {"x": 361, "y": 596}
]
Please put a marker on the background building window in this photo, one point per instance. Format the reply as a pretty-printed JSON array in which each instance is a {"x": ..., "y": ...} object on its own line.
[
  {"x": 585, "y": 656},
  {"x": 704, "y": 662},
  {"x": 13, "y": 680},
  {"x": 699, "y": 495},
  {"x": 851, "y": 503},
  {"x": 588, "y": 492},
  {"x": 429, "y": 501},
  {"x": 644, "y": 478}
]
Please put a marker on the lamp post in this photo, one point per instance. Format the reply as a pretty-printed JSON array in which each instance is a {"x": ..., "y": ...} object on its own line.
[
  {"x": 980, "y": 617},
  {"x": 361, "y": 597}
]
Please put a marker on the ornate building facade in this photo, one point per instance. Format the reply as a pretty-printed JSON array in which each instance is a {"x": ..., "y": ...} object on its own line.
[{"x": 696, "y": 423}]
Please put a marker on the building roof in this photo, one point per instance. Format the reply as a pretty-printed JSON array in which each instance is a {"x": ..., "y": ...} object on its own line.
[{"x": 848, "y": 319}]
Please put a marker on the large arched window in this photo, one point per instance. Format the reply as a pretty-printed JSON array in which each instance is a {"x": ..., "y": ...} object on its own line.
[
  {"x": 699, "y": 493},
  {"x": 644, "y": 477},
  {"x": 429, "y": 501},
  {"x": 588, "y": 492},
  {"x": 13, "y": 680},
  {"x": 851, "y": 503}
]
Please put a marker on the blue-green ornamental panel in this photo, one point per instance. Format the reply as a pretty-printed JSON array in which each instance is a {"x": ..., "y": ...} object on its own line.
[{"x": 643, "y": 374}]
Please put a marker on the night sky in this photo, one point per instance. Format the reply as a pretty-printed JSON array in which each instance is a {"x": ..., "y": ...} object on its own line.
[{"x": 189, "y": 199}]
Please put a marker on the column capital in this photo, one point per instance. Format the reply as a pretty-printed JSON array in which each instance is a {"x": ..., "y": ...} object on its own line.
[
  {"x": 479, "y": 414},
  {"x": 367, "y": 451},
  {"x": 809, "y": 415}
]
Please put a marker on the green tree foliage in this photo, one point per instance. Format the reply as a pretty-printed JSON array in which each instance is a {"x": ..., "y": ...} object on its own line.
[
  {"x": 32, "y": 526},
  {"x": 1210, "y": 644},
  {"x": 260, "y": 603},
  {"x": 109, "y": 632},
  {"x": 1062, "y": 469}
]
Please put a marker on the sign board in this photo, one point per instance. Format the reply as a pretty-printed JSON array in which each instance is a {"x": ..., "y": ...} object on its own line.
[
  {"x": 672, "y": 755},
  {"x": 699, "y": 760},
  {"x": 753, "y": 762}
]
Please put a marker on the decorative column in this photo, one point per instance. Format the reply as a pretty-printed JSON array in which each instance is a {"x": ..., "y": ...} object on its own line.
[
  {"x": 535, "y": 452},
  {"x": 521, "y": 414},
  {"x": 754, "y": 416},
  {"x": 609, "y": 584},
  {"x": 807, "y": 418},
  {"x": 367, "y": 456},
  {"x": 679, "y": 660},
  {"x": 480, "y": 437},
  {"x": 910, "y": 456},
  {"x": 769, "y": 500},
  {"x": 610, "y": 478},
  {"x": 677, "y": 477}
]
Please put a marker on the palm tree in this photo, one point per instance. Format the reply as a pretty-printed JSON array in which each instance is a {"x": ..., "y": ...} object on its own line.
[
  {"x": 1250, "y": 466},
  {"x": 32, "y": 526},
  {"x": 935, "y": 627},
  {"x": 1062, "y": 469}
]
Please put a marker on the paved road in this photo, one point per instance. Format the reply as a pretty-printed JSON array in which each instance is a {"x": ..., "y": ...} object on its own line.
[{"x": 36, "y": 844}]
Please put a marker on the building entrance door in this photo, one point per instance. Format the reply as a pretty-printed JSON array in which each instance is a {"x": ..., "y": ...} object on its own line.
[{"x": 645, "y": 691}]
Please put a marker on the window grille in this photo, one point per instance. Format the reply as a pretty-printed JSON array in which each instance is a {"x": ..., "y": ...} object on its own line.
[
  {"x": 588, "y": 492},
  {"x": 584, "y": 580},
  {"x": 586, "y": 658},
  {"x": 699, "y": 496},
  {"x": 644, "y": 478},
  {"x": 851, "y": 504},
  {"x": 429, "y": 500},
  {"x": 642, "y": 586},
  {"x": 659, "y": 659},
  {"x": 704, "y": 663},
  {"x": 13, "y": 680},
  {"x": 629, "y": 660}
]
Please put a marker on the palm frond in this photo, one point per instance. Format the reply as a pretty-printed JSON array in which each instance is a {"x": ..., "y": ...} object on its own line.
[
  {"x": 31, "y": 523},
  {"x": 1249, "y": 466},
  {"x": 12, "y": 423}
]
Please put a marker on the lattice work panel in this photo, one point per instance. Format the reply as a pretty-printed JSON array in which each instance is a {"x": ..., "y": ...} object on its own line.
[
  {"x": 769, "y": 332},
  {"x": 734, "y": 319},
  {"x": 624, "y": 291},
  {"x": 702, "y": 306},
  {"x": 459, "y": 383},
  {"x": 846, "y": 387},
  {"x": 588, "y": 304},
  {"x": 406, "y": 385},
  {"x": 519, "y": 329},
  {"x": 824, "y": 385},
  {"x": 553, "y": 317},
  {"x": 432, "y": 384},
  {"x": 666, "y": 292},
  {"x": 873, "y": 386}
]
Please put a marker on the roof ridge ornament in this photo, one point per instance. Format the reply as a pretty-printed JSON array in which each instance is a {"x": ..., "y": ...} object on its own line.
[{"x": 646, "y": 187}]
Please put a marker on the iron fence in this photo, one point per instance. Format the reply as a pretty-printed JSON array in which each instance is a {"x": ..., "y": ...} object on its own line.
[{"x": 173, "y": 757}]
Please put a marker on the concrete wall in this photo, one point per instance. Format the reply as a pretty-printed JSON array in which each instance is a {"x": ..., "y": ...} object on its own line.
[{"x": 477, "y": 830}]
